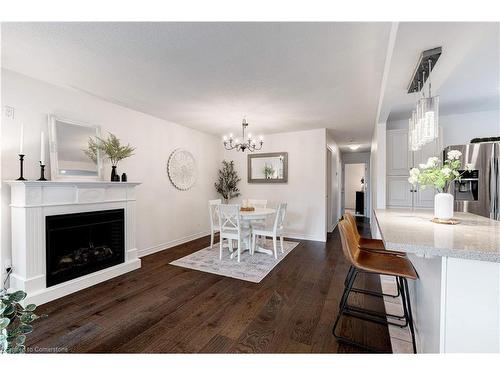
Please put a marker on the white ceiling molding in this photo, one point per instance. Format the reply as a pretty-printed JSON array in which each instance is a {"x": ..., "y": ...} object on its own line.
[{"x": 382, "y": 116}]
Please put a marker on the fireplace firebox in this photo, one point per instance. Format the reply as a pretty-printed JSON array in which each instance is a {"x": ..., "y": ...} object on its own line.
[{"x": 82, "y": 243}]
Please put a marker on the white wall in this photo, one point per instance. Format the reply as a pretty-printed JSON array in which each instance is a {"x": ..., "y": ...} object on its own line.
[
  {"x": 165, "y": 215},
  {"x": 305, "y": 191},
  {"x": 353, "y": 174},
  {"x": 460, "y": 128},
  {"x": 377, "y": 174}
]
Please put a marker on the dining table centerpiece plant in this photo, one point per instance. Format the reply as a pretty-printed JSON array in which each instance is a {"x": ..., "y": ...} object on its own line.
[
  {"x": 227, "y": 182},
  {"x": 112, "y": 149},
  {"x": 439, "y": 176},
  {"x": 15, "y": 321}
]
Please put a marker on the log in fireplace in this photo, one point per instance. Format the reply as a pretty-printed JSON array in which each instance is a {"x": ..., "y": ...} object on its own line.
[{"x": 83, "y": 243}]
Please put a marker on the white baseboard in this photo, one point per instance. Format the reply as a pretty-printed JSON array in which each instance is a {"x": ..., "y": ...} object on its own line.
[
  {"x": 163, "y": 246},
  {"x": 301, "y": 236},
  {"x": 332, "y": 228}
]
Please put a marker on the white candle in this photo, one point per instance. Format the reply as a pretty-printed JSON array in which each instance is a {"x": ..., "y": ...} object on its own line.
[
  {"x": 42, "y": 148},
  {"x": 21, "y": 140}
]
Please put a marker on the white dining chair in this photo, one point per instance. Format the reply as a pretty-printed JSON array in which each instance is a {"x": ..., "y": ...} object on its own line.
[
  {"x": 274, "y": 231},
  {"x": 257, "y": 203},
  {"x": 230, "y": 228},
  {"x": 214, "y": 220}
]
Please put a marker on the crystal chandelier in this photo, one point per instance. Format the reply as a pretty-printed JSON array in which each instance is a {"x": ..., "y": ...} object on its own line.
[
  {"x": 423, "y": 125},
  {"x": 247, "y": 143}
]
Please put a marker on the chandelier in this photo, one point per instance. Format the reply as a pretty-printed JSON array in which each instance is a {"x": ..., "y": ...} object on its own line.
[
  {"x": 423, "y": 127},
  {"x": 247, "y": 143}
]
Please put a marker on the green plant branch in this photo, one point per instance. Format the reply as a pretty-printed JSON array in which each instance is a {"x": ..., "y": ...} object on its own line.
[
  {"x": 15, "y": 322},
  {"x": 227, "y": 182},
  {"x": 111, "y": 147}
]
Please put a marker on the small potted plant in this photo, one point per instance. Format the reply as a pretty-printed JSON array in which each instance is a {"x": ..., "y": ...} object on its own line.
[
  {"x": 112, "y": 148},
  {"x": 433, "y": 174},
  {"x": 15, "y": 321}
]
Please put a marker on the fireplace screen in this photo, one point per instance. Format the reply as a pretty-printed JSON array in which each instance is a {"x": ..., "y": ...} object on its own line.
[{"x": 82, "y": 243}]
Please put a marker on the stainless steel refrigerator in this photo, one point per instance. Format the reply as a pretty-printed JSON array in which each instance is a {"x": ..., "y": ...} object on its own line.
[{"x": 478, "y": 190}]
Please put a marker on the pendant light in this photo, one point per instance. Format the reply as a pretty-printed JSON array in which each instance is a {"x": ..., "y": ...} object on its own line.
[{"x": 423, "y": 126}]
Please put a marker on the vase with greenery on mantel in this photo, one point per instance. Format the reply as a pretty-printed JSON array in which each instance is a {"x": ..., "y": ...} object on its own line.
[
  {"x": 112, "y": 148},
  {"x": 227, "y": 182},
  {"x": 433, "y": 174}
]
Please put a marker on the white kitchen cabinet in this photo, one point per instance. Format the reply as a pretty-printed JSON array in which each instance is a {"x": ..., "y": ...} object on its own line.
[
  {"x": 399, "y": 191},
  {"x": 398, "y": 162},
  {"x": 427, "y": 151},
  {"x": 424, "y": 198}
]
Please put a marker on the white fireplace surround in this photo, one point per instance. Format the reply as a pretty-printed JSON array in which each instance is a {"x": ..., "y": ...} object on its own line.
[{"x": 32, "y": 201}]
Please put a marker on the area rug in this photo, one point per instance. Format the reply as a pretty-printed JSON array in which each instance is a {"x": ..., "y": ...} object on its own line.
[{"x": 251, "y": 268}]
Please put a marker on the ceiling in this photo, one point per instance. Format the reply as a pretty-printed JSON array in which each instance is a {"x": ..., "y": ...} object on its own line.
[
  {"x": 466, "y": 76},
  {"x": 281, "y": 76},
  {"x": 207, "y": 76}
]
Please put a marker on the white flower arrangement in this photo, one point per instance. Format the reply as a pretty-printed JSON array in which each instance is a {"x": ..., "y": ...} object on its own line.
[{"x": 435, "y": 175}]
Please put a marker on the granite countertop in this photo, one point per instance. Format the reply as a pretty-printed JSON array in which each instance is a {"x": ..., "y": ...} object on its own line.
[{"x": 475, "y": 237}]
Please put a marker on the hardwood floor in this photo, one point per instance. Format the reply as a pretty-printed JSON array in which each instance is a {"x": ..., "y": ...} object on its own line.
[{"x": 163, "y": 308}]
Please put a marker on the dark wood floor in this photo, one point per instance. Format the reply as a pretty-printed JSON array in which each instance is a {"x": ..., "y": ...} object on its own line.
[{"x": 163, "y": 308}]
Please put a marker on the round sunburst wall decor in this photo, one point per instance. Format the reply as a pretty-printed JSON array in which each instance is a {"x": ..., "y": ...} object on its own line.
[{"x": 181, "y": 168}]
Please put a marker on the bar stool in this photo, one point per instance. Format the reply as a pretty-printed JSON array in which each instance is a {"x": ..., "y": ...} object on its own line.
[
  {"x": 371, "y": 244},
  {"x": 374, "y": 263}
]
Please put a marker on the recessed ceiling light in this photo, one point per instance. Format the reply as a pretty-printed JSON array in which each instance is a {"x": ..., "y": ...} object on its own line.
[{"x": 354, "y": 147}]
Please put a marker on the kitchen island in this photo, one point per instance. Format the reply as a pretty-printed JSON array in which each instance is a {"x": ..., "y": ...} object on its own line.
[{"x": 456, "y": 299}]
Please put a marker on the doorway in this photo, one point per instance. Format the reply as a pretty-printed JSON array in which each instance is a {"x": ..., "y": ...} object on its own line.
[{"x": 355, "y": 188}]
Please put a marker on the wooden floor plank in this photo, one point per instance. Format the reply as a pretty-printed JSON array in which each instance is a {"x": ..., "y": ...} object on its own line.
[{"x": 169, "y": 309}]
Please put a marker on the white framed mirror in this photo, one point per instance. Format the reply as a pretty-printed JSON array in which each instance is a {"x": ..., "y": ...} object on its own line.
[{"x": 68, "y": 141}]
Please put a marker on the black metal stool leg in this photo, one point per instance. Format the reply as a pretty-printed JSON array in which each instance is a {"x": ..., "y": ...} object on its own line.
[
  {"x": 370, "y": 292},
  {"x": 343, "y": 302},
  {"x": 375, "y": 316},
  {"x": 348, "y": 275},
  {"x": 403, "y": 299},
  {"x": 342, "y": 311},
  {"x": 410, "y": 316},
  {"x": 351, "y": 276}
]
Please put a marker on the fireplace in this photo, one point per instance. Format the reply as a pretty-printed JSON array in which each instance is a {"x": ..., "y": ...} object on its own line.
[{"x": 83, "y": 243}]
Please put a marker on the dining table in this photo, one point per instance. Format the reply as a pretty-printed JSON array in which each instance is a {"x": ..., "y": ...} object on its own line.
[{"x": 256, "y": 215}]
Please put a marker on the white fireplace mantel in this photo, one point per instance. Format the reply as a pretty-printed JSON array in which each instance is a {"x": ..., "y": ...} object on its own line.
[{"x": 32, "y": 201}]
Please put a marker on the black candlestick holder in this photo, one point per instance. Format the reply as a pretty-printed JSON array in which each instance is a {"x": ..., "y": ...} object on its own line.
[
  {"x": 21, "y": 162},
  {"x": 42, "y": 172}
]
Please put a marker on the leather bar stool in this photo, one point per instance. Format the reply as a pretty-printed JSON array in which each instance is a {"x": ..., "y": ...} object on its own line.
[
  {"x": 371, "y": 244},
  {"x": 376, "y": 263}
]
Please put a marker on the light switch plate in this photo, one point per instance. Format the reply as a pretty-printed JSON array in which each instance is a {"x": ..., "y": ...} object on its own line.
[{"x": 9, "y": 112}]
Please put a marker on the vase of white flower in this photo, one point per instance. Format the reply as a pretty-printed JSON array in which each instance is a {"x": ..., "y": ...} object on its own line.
[{"x": 439, "y": 176}]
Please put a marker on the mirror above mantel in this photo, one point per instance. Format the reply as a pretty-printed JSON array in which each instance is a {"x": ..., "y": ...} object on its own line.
[
  {"x": 268, "y": 168},
  {"x": 68, "y": 141}
]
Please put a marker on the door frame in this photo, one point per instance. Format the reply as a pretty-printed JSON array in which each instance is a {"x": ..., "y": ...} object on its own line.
[{"x": 332, "y": 199}]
